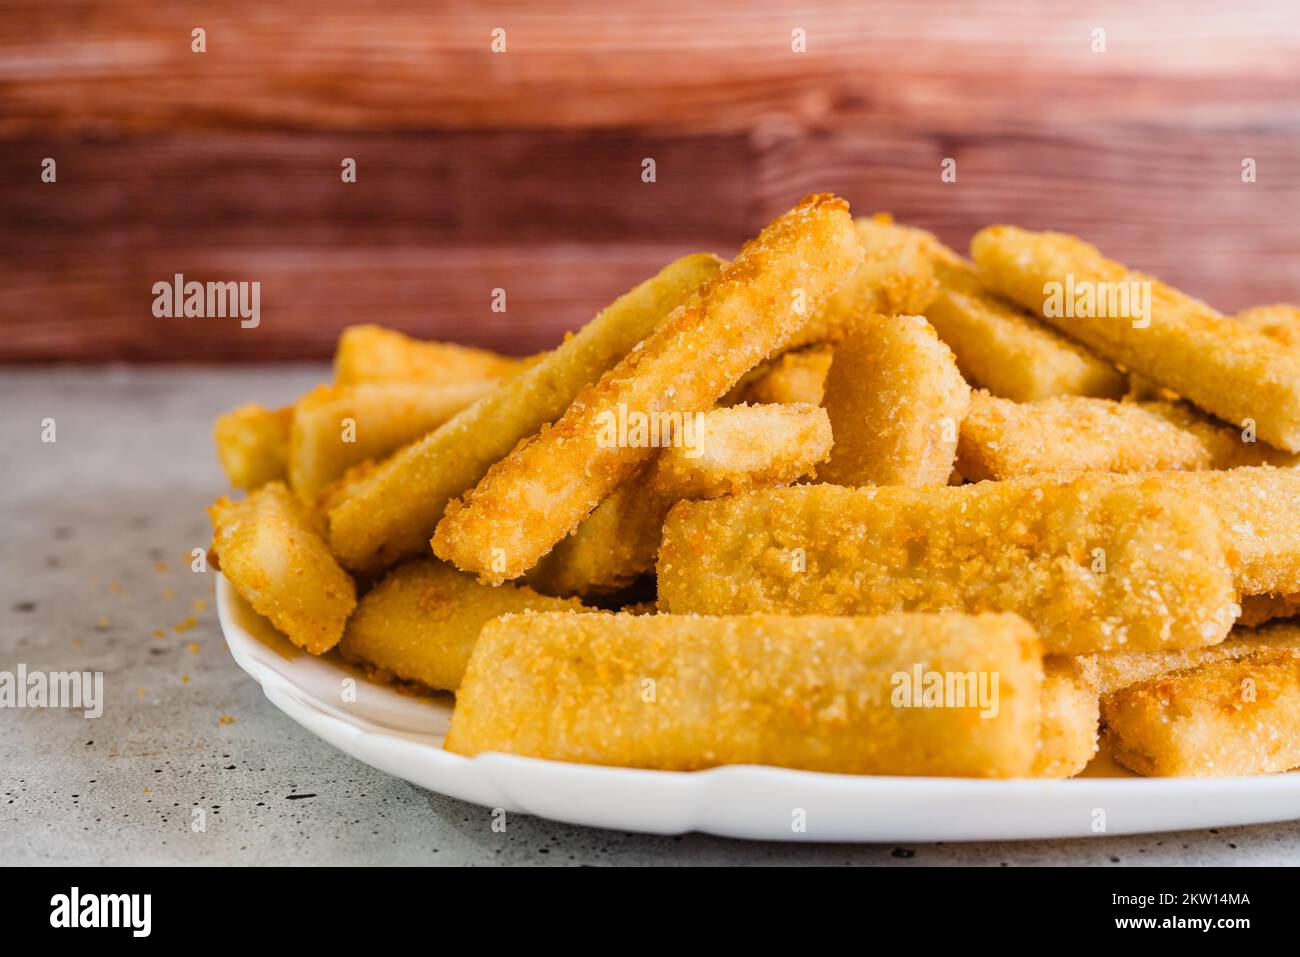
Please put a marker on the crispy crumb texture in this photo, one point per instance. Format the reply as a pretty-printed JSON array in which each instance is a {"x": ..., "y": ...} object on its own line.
[
  {"x": 271, "y": 551},
  {"x": 1230, "y": 717},
  {"x": 1094, "y": 563},
  {"x": 539, "y": 493},
  {"x": 686, "y": 692}
]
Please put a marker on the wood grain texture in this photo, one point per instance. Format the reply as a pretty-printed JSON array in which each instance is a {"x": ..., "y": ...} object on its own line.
[{"x": 522, "y": 170}]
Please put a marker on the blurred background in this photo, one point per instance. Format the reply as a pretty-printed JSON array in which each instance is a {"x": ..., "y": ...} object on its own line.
[{"x": 523, "y": 169}]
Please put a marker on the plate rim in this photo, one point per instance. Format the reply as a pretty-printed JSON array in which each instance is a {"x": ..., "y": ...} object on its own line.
[{"x": 490, "y": 775}]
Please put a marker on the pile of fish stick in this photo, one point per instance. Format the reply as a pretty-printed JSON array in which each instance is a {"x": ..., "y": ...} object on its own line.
[{"x": 850, "y": 502}]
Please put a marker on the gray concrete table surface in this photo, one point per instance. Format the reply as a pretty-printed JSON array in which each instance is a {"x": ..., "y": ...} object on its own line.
[{"x": 94, "y": 575}]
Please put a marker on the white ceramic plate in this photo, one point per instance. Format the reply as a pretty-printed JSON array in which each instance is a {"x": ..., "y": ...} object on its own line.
[{"x": 402, "y": 735}]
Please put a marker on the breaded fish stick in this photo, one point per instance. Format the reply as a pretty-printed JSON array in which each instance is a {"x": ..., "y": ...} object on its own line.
[
  {"x": 1260, "y": 510},
  {"x": 1001, "y": 347},
  {"x": 373, "y": 354},
  {"x": 421, "y": 621},
  {"x": 1094, "y": 564},
  {"x": 1280, "y": 322},
  {"x": 1001, "y": 439},
  {"x": 893, "y": 278},
  {"x": 1220, "y": 365},
  {"x": 253, "y": 444},
  {"x": 796, "y": 377},
  {"x": 1225, "y": 445},
  {"x": 388, "y": 512},
  {"x": 538, "y": 494},
  {"x": 1070, "y": 710},
  {"x": 269, "y": 548},
  {"x": 335, "y": 427},
  {"x": 740, "y": 448},
  {"x": 896, "y": 402},
  {"x": 821, "y": 694},
  {"x": 1114, "y": 670},
  {"x": 1231, "y": 717}
]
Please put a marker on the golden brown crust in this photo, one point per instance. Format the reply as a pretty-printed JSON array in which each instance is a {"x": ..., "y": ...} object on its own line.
[
  {"x": 422, "y": 620},
  {"x": 741, "y": 448},
  {"x": 1109, "y": 672},
  {"x": 336, "y": 427},
  {"x": 1070, "y": 710},
  {"x": 1001, "y": 439},
  {"x": 1230, "y": 717},
  {"x": 540, "y": 492},
  {"x": 1097, "y": 563},
  {"x": 369, "y": 353},
  {"x": 1222, "y": 366},
  {"x": 269, "y": 548},
  {"x": 823, "y": 694},
  {"x": 896, "y": 402},
  {"x": 387, "y": 512},
  {"x": 1001, "y": 347},
  {"x": 253, "y": 444}
]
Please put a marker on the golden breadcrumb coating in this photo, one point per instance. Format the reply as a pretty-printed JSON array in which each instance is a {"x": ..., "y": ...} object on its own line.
[
  {"x": 1225, "y": 445},
  {"x": 794, "y": 378},
  {"x": 370, "y": 353},
  {"x": 387, "y": 512},
  {"x": 422, "y": 620},
  {"x": 1218, "y": 364},
  {"x": 1230, "y": 717},
  {"x": 821, "y": 694},
  {"x": 1094, "y": 564},
  {"x": 269, "y": 548},
  {"x": 1002, "y": 439},
  {"x": 896, "y": 402},
  {"x": 1111, "y": 671},
  {"x": 742, "y": 448},
  {"x": 1279, "y": 322},
  {"x": 253, "y": 444},
  {"x": 894, "y": 277},
  {"x": 1070, "y": 712},
  {"x": 1001, "y": 347},
  {"x": 1260, "y": 510},
  {"x": 336, "y": 427},
  {"x": 539, "y": 493}
]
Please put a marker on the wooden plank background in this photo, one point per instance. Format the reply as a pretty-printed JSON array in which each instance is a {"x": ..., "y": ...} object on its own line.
[{"x": 522, "y": 169}]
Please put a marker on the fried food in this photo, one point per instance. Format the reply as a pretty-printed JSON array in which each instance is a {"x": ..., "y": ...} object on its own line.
[
  {"x": 388, "y": 512},
  {"x": 336, "y": 427},
  {"x": 1226, "y": 447},
  {"x": 1258, "y": 609},
  {"x": 421, "y": 621},
  {"x": 1001, "y": 439},
  {"x": 370, "y": 353},
  {"x": 998, "y": 345},
  {"x": 269, "y": 548},
  {"x": 1221, "y": 366},
  {"x": 1112, "y": 671},
  {"x": 794, "y": 378},
  {"x": 253, "y": 444},
  {"x": 1260, "y": 509},
  {"x": 822, "y": 694},
  {"x": 739, "y": 448},
  {"x": 538, "y": 494},
  {"x": 1070, "y": 714},
  {"x": 894, "y": 277},
  {"x": 1096, "y": 563},
  {"x": 1280, "y": 322},
  {"x": 1230, "y": 717},
  {"x": 896, "y": 402}
]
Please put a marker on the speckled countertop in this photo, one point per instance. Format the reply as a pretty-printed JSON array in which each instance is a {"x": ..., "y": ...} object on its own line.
[{"x": 94, "y": 575}]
